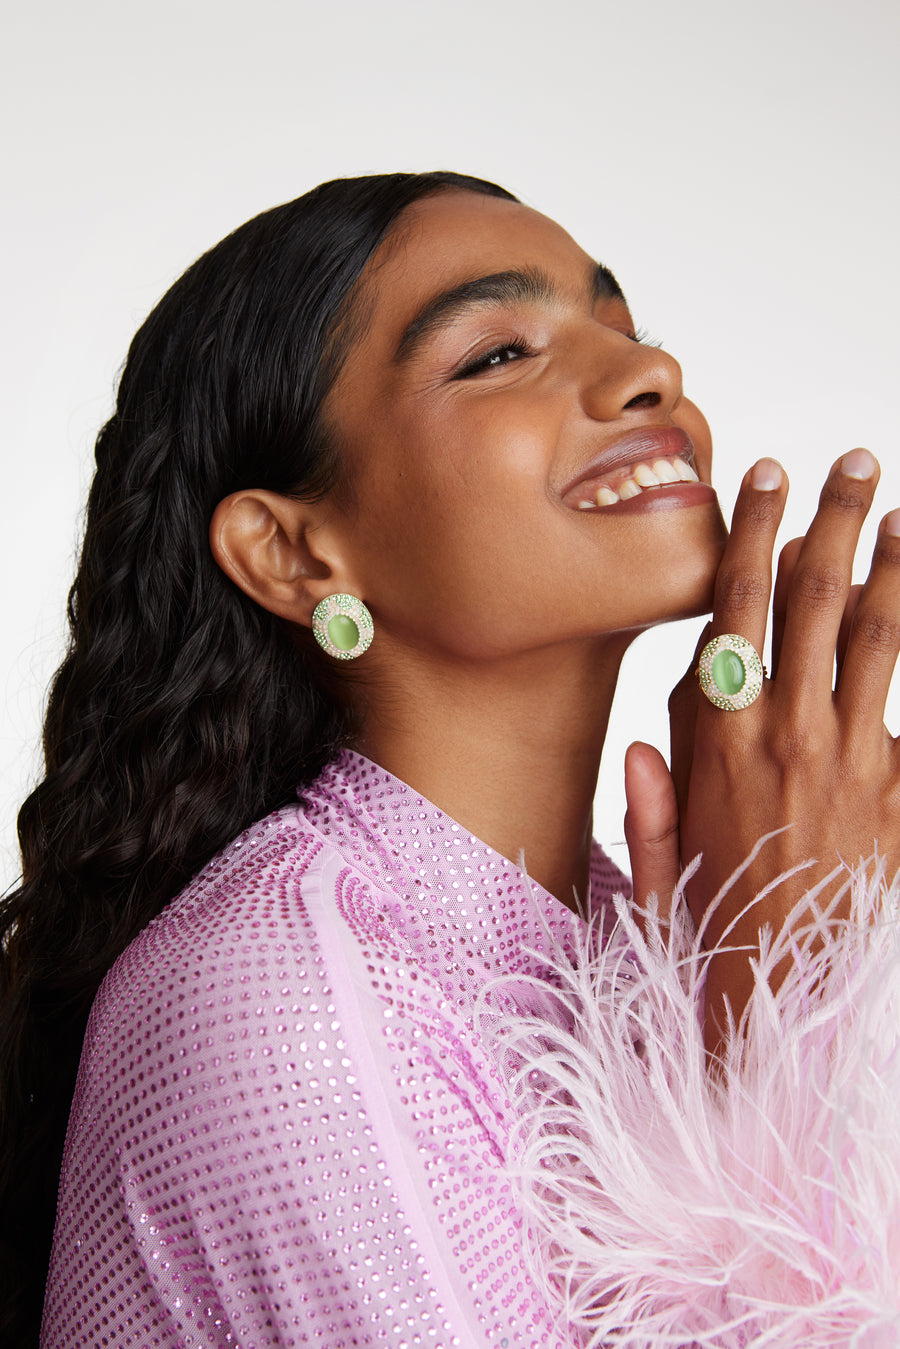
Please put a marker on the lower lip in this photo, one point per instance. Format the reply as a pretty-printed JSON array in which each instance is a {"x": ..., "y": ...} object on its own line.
[{"x": 669, "y": 498}]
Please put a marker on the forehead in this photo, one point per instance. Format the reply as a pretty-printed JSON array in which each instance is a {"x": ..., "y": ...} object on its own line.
[{"x": 453, "y": 237}]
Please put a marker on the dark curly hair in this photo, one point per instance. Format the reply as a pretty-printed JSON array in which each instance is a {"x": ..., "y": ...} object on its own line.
[{"x": 182, "y": 711}]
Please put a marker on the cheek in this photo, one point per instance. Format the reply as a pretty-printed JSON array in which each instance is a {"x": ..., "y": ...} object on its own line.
[
  {"x": 450, "y": 531},
  {"x": 463, "y": 475}
]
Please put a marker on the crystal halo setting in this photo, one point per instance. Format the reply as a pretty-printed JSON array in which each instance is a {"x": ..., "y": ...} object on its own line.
[
  {"x": 342, "y": 625},
  {"x": 730, "y": 672}
]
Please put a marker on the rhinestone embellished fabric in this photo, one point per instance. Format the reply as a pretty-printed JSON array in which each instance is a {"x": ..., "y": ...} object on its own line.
[{"x": 286, "y": 1129}]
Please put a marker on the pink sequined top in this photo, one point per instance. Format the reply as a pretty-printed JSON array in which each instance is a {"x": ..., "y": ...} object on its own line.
[{"x": 286, "y": 1129}]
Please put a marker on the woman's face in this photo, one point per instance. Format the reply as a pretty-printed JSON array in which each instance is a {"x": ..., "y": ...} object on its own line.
[{"x": 498, "y": 419}]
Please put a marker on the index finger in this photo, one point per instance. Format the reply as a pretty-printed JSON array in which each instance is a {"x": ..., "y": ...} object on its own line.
[{"x": 744, "y": 580}]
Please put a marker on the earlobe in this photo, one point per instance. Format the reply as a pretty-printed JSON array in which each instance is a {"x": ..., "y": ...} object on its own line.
[
  {"x": 274, "y": 549},
  {"x": 343, "y": 627}
]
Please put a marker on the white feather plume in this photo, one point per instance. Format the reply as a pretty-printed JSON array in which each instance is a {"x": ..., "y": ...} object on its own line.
[{"x": 757, "y": 1205}]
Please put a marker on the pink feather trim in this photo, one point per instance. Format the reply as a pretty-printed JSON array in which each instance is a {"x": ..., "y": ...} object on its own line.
[{"x": 668, "y": 1206}]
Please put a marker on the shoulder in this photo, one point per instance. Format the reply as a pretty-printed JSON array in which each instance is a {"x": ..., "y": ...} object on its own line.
[
  {"x": 274, "y": 1045},
  {"x": 239, "y": 925}
]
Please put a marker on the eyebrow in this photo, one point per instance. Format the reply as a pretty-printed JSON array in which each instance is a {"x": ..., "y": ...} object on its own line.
[{"x": 528, "y": 285}]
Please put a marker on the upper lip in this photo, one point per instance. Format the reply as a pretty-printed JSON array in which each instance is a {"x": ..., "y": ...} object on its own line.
[{"x": 650, "y": 442}]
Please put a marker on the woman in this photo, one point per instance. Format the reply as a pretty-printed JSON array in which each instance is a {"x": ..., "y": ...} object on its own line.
[{"x": 414, "y": 392}]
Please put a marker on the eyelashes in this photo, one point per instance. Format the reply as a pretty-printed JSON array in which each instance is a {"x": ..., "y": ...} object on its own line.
[
  {"x": 496, "y": 357},
  {"x": 645, "y": 339},
  {"x": 504, "y": 353}
]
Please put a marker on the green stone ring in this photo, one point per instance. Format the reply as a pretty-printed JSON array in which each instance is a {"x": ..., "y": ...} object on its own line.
[
  {"x": 730, "y": 672},
  {"x": 342, "y": 625}
]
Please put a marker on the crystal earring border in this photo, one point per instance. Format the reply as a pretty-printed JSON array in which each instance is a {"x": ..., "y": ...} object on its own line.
[{"x": 347, "y": 606}]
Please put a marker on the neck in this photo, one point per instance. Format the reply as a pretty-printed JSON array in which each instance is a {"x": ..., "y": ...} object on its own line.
[{"x": 510, "y": 750}]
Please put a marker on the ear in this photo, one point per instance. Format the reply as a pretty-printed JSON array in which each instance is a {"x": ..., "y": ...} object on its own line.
[{"x": 281, "y": 552}]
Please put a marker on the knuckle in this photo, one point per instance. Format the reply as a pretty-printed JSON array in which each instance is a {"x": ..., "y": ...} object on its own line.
[
  {"x": 819, "y": 583},
  {"x": 659, "y": 844},
  {"x": 797, "y": 741},
  {"x": 761, "y": 510},
  {"x": 887, "y": 552},
  {"x": 740, "y": 590},
  {"x": 794, "y": 747},
  {"x": 837, "y": 494},
  {"x": 877, "y": 633}
]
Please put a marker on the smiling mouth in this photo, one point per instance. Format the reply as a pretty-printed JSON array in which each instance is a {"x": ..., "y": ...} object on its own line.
[
  {"x": 657, "y": 459},
  {"x": 640, "y": 478}
]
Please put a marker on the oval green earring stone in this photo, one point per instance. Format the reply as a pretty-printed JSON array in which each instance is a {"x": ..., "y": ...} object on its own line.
[
  {"x": 343, "y": 632},
  {"x": 728, "y": 672}
]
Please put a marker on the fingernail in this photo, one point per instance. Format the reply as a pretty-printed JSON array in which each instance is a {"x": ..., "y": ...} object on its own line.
[
  {"x": 892, "y": 523},
  {"x": 767, "y": 475},
  {"x": 858, "y": 464}
]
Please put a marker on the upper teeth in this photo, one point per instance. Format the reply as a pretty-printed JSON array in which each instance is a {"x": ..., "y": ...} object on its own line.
[{"x": 657, "y": 474}]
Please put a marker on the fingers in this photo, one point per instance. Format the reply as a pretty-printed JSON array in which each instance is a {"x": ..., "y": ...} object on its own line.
[
  {"x": 873, "y": 641},
  {"x": 820, "y": 583},
  {"x": 787, "y": 561},
  {"x": 651, "y": 825},
  {"x": 847, "y": 617},
  {"x": 744, "y": 580}
]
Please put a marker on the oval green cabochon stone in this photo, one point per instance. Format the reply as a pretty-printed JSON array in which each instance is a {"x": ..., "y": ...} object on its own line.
[
  {"x": 728, "y": 672},
  {"x": 343, "y": 632}
]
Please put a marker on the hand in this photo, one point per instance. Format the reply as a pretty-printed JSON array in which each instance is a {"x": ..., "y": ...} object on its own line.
[{"x": 810, "y": 753}]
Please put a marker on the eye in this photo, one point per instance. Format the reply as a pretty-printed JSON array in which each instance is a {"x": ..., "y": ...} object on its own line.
[{"x": 498, "y": 356}]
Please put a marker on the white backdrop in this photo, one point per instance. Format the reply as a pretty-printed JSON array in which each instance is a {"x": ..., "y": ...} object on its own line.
[{"x": 736, "y": 166}]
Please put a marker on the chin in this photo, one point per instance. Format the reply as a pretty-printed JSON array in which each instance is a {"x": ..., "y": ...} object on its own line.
[
  {"x": 700, "y": 588},
  {"x": 695, "y": 599}
]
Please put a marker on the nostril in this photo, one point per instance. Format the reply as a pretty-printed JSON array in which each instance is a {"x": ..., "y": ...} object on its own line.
[{"x": 643, "y": 400}]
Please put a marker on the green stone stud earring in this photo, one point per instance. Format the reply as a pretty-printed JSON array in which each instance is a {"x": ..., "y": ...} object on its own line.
[
  {"x": 343, "y": 626},
  {"x": 730, "y": 672}
]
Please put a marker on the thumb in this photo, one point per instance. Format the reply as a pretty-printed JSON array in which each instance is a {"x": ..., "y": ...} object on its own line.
[{"x": 651, "y": 824}]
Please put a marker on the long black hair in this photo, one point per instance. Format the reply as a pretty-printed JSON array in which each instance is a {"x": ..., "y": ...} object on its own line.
[{"x": 182, "y": 711}]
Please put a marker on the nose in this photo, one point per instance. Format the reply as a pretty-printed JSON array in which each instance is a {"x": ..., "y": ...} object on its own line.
[{"x": 626, "y": 376}]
